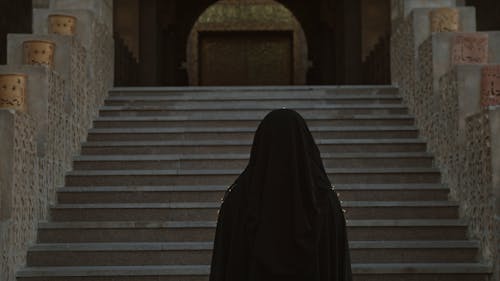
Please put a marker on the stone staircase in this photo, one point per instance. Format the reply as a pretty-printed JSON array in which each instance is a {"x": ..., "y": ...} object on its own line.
[{"x": 142, "y": 200}]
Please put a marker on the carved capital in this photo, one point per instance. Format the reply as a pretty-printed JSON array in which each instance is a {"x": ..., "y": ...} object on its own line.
[
  {"x": 62, "y": 24},
  {"x": 39, "y": 52},
  {"x": 490, "y": 85},
  {"x": 13, "y": 91},
  {"x": 471, "y": 48},
  {"x": 445, "y": 20}
]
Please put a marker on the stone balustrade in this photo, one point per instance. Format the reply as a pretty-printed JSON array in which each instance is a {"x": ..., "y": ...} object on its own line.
[
  {"x": 449, "y": 80},
  {"x": 61, "y": 100}
]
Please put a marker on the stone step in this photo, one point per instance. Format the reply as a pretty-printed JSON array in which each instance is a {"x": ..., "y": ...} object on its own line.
[
  {"x": 189, "y": 253},
  {"x": 227, "y": 177},
  {"x": 261, "y": 110},
  {"x": 190, "y": 231},
  {"x": 361, "y": 272},
  {"x": 248, "y": 96},
  {"x": 168, "y": 194},
  {"x": 236, "y": 101},
  {"x": 216, "y": 147},
  {"x": 221, "y": 96},
  {"x": 242, "y": 121},
  {"x": 254, "y": 92},
  {"x": 135, "y": 199},
  {"x": 182, "y": 211},
  {"x": 239, "y": 161},
  {"x": 245, "y": 133}
]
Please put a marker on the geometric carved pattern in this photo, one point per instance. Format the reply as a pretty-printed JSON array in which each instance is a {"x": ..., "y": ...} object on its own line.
[
  {"x": 490, "y": 85},
  {"x": 13, "y": 91},
  {"x": 39, "y": 52},
  {"x": 444, "y": 20},
  {"x": 62, "y": 24},
  {"x": 470, "y": 48}
]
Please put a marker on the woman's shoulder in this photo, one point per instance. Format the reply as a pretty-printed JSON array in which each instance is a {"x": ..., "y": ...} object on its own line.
[{"x": 230, "y": 190}]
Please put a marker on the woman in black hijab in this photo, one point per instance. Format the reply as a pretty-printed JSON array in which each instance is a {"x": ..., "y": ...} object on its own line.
[{"x": 281, "y": 218}]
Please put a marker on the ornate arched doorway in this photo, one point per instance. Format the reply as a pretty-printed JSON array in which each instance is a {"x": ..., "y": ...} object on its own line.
[
  {"x": 155, "y": 33},
  {"x": 251, "y": 42}
]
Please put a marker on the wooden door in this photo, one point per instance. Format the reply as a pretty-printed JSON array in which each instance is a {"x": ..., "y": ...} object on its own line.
[{"x": 245, "y": 58}]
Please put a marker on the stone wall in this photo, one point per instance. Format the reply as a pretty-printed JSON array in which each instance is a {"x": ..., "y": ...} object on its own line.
[
  {"x": 37, "y": 146},
  {"x": 403, "y": 60},
  {"x": 466, "y": 163},
  {"x": 475, "y": 188},
  {"x": 27, "y": 199},
  {"x": 445, "y": 99}
]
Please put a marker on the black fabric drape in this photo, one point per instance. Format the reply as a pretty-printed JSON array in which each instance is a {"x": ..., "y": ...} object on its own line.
[{"x": 281, "y": 218}]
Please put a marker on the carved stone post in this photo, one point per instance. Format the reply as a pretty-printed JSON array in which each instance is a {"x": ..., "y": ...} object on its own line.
[
  {"x": 400, "y": 9},
  {"x": 494, "y": 118}
]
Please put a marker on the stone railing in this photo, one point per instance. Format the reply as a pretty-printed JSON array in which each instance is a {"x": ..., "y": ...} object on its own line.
[
  {"x": 62, "y": 95},
  {"x": 438, "y": 60}
]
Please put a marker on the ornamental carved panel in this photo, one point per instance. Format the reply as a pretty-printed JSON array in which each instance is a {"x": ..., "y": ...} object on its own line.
[
  {"x": 13, "y": 91},
  {"x": 471, "y": 48},
  {"x": 39, "y": 52},
  {"x": 445, "y": 20},
  {"x": 62, "y": 24},
  {"x": 490, "y": 85}
]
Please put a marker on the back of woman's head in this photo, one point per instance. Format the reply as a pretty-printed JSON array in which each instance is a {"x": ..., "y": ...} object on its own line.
[
  {"x": 283, "y": 188},
  {"x": 284, "y": 144}
]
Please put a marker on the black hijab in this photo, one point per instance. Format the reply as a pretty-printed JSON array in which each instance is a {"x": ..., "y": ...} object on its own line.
[{"x": 281, "y": 219}]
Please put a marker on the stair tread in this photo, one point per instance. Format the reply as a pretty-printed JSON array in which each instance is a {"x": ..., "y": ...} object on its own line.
[
  {"x": 172, "y": 246},
  {"x": 249, "y": 107},
  {"x": 232, "y": 156},
  {"x": 160, "y": 130},
  {"x": 211, "y": 224},
  {"x": 284, "y": 96},
  {"x": 247, "y": 118},
  {"x": 194, "y": 188},
  {"x": 358, "y": 268},
  {"x": 216, "y": 205},
  {"x": 276, "y": 88},
  {"x": 181, "y": 172},
  {"x": 319, "y": 141}
]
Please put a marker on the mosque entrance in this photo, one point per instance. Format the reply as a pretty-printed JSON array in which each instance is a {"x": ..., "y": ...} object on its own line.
[
  {"x": 245, "y": 58},
  {"x": 314, "y": 42},
  {"x": 245, "y": 43}
]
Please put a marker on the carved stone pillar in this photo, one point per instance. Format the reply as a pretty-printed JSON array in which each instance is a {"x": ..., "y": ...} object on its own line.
[
  {"x": 400, "y": 9},
  {"x": 494, "y": 118}
]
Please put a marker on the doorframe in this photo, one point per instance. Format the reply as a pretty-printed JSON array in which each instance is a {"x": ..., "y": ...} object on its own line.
[{"x": 268, "y": 23}]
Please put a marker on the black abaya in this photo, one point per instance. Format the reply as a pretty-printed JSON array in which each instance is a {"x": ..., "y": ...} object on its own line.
[{"x": 281, "y": 218}]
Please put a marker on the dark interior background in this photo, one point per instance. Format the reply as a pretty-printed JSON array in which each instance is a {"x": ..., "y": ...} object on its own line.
[
  {"x": 16, "y": 17},
  {"x": 347, "y": 39}
]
